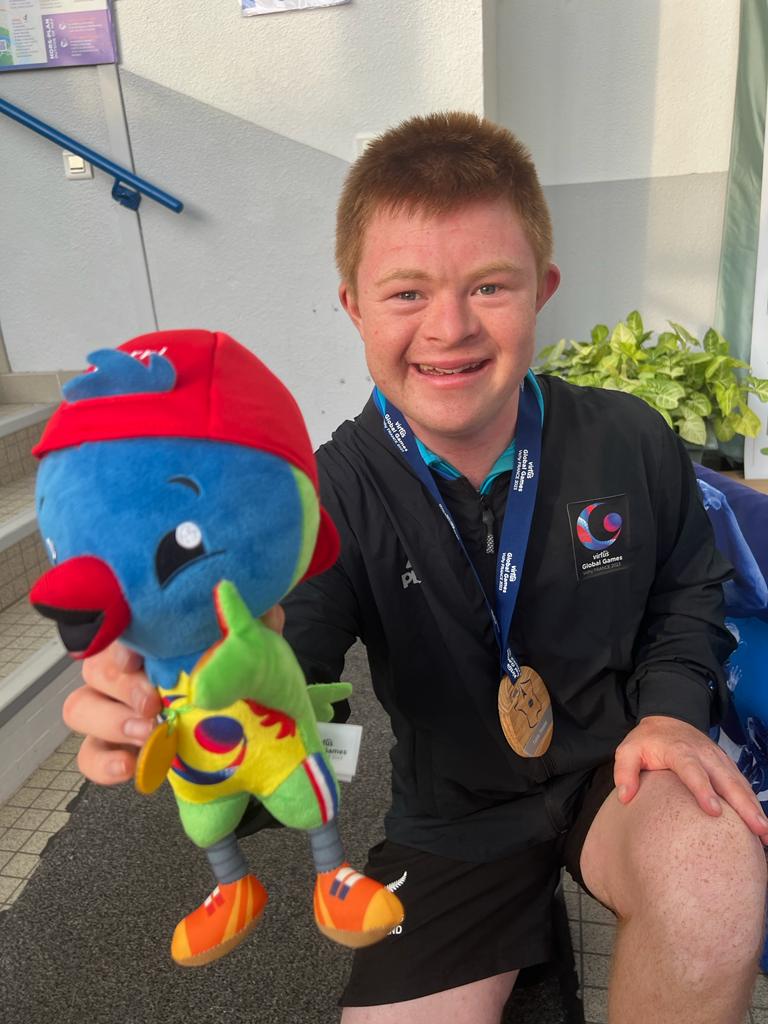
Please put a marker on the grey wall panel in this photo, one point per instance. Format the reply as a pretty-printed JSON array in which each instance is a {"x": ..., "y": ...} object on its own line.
[
  {"x": 252, "y": 253},
  {"x": 63, "y": 283},
  {"x": 650, "y": 244}
]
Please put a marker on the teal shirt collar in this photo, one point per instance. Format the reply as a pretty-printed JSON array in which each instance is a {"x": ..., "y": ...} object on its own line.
[{"x": 503, "y": 464}]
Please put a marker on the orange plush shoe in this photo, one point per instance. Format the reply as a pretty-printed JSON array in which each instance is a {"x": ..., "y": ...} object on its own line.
[
  {"x": 219, "y": 924},
  {"x": 353, "y": 909}
]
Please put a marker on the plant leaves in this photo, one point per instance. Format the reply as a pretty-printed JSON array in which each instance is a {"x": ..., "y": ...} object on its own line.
[
  {"x": 600, "y": 334},
  {"x": 724, "y": 431},
  {"x": 758, "y": 387},
  {"x": 697, "y": 403},
  {"x": 693, "y": 429},
  {"x": 635, "y": 323},
  {"x": 746, "y": 422},
  {"x": 684, "y": 334},
  {"x": 664, "y": 393},
  {"x": 624, "y": 341}
]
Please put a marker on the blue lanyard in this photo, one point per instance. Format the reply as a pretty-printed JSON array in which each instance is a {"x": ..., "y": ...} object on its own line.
[{"x": 518, "y": 515}]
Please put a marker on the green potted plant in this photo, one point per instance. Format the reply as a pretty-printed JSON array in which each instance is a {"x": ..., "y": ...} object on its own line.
[{"x": 693, "y": 384}]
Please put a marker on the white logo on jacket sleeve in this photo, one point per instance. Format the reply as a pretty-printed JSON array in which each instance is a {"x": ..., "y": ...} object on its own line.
[{"x": 409, "y": 576}]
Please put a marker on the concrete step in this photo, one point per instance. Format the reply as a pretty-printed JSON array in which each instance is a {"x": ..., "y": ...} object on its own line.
[
  {"x": 20, "y": 429},
  {"x": 35, "y": 672}
]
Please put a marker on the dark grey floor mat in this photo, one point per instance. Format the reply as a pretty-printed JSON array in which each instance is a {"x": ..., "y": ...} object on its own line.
[{"x": 87, "y": 940}]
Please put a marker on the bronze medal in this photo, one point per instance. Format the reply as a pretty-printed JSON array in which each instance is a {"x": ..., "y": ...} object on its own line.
[
  {"x": 155, "y": 758},
  {"x": 525, "y": 713}
]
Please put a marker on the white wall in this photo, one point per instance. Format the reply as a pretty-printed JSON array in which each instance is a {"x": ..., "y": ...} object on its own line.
[
  {"x": 612, "y": 91},
  {"x": 627, "y": 109},
  {"x": 317, "y": 77},
  {"x": 252, "y": 123}
]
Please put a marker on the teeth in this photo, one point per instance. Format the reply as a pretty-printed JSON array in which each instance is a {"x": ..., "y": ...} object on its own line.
[{"x": 425, "y": 368}]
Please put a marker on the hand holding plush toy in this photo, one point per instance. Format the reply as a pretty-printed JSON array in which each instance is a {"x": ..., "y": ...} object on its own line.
[{"x": 178, "y": 501}]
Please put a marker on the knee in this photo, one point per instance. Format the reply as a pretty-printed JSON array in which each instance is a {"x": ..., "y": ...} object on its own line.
[{"x": 701, "y": 881}]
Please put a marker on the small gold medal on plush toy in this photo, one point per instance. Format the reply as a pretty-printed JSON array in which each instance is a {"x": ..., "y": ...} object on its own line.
[
  {"x": 155, "y": 758},
  {"x": 525, "y": 712}
]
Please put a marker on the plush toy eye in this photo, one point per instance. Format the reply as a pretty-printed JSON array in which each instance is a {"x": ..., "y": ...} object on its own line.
[
  {"x": 51, "y": 549},
  {"x": 178, "y": 548},
  {"x": 188, "y": 536}
]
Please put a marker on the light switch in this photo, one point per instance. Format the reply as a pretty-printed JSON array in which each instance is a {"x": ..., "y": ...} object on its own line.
[{"x": 75, "y": 167}]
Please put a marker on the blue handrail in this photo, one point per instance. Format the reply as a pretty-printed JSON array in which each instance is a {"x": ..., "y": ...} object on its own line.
[{"x": 127, "y": 188}]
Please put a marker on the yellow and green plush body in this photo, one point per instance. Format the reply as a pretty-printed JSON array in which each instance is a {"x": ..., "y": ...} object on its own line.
[{"x": 245, "y": 724}]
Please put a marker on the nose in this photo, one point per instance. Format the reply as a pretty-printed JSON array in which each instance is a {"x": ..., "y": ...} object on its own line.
[
  {"x": 451, "y": 318},
  {"x": 84, "y": 598}
]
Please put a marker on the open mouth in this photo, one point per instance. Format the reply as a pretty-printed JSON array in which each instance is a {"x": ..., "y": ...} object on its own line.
[{"x": 465, "y": 369}]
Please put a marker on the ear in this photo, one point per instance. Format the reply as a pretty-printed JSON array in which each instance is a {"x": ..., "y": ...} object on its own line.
[
  {"x": 547, "y": 286},
  {"x": 351, "y": 308}
]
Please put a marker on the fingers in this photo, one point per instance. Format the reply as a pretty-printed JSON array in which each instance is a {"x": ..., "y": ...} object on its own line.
[
  {"x": 116, "y": 673},
  {"x": 104, "y": 763},
  {"x": 691, "y": 772},
  {"x": 274, "y": 619},
  {"x": 626, "y": 772},
  {"x": 116, "y": 710},
  {"x": 737, "y": 793},
  {"x": 90, "y": 712}
]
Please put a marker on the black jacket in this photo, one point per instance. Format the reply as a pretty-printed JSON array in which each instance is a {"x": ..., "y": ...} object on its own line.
[{"x": 633, "y": 631}]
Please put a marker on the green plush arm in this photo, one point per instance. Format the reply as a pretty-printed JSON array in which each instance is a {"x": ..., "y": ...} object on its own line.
[
  {"x": 250, "y": 662},
  {"x": 324, "y": 695}
]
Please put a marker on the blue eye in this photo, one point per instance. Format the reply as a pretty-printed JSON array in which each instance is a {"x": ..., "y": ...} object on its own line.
[{"x": 488, "y": 289}]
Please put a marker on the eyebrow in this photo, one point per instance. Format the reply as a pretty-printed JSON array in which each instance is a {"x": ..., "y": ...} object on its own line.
[
  {"x": 186, "y": 481},
  {"x": 409, "y": 274},
  {"x": 400, "y": 273}
]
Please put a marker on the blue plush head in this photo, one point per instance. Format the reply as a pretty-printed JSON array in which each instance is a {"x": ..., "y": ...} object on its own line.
[
  {"x": 172, "y": 517},
  {"x": 147, "y": 498}
]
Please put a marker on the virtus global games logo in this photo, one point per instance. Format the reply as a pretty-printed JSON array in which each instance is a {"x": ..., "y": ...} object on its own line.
[{"x": 599, "y": 532}]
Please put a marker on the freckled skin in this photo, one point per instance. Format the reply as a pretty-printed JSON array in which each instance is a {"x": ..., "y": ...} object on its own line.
[{"x": 689, "y": 892}]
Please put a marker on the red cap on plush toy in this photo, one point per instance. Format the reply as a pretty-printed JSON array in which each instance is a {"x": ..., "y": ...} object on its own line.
[{"x": 221, "y": 392}]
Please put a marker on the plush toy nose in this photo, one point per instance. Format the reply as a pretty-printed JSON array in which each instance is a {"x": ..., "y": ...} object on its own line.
[{"x": 83, "y": 597}]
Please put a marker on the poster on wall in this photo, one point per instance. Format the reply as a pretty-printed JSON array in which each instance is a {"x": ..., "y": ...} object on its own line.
[
  {"x": 55, "y": 34},
  {"x": 276, "y": 6}
]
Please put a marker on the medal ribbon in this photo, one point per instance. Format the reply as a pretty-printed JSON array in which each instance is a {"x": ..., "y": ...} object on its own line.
[{"x": 518, "y": 515}]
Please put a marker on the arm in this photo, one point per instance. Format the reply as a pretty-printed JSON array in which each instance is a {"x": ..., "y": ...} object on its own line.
[
  {"x": 322, "y": 614},
  {"x": 679, "y": 653},
  {"x": 682, "y": 642}
]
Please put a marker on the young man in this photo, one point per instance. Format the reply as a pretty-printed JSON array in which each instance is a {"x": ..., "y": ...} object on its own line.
[{"x": 499, "y": 528}]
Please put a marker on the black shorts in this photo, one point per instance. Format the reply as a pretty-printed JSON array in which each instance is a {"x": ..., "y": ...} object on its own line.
[{"x": 464, "y": 921}]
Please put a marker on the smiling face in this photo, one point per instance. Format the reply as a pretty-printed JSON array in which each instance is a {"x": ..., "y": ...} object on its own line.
[{"x": 446, "y": 306}]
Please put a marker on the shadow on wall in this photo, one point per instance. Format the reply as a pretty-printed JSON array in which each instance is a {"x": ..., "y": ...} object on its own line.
[{"x": 578, "y": 83}]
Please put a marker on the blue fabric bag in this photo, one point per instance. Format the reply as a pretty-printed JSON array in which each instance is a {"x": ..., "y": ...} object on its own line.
[{"x": 739, "y": 517}]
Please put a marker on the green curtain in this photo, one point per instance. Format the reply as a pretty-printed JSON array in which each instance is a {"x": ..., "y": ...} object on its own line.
[{"x": 738, "y": 253}]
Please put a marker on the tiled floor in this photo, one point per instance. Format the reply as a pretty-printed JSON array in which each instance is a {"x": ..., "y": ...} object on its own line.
[
  {"x": 32, "y": 815},
  {"x": 17, "y": 497},
  {"x": 22, "y": 632}
]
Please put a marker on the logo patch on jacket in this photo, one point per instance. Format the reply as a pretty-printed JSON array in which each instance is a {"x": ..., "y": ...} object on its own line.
[
  {"x": 409, "y": 576},
  {"x": 600, "y": 534}
]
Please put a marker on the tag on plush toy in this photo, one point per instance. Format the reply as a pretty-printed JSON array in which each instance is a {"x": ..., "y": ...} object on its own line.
[
  {"x": 155, "y": 758},
  {"x": 342, "y": 747}
]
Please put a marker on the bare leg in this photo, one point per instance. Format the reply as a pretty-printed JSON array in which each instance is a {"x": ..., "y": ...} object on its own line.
[
  {"x": 480, "y": 1002},
  {"x": 689, "y": 893}
]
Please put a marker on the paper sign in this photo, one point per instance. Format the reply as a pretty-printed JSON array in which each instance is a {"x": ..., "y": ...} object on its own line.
[
  {"x": 341, "y": 743},
  {"x": 276, "y": 6},
  {"x": 55, "y": 34}
]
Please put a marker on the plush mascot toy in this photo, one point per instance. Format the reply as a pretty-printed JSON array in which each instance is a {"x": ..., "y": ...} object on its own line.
[{"x": 178, "y": 500}]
